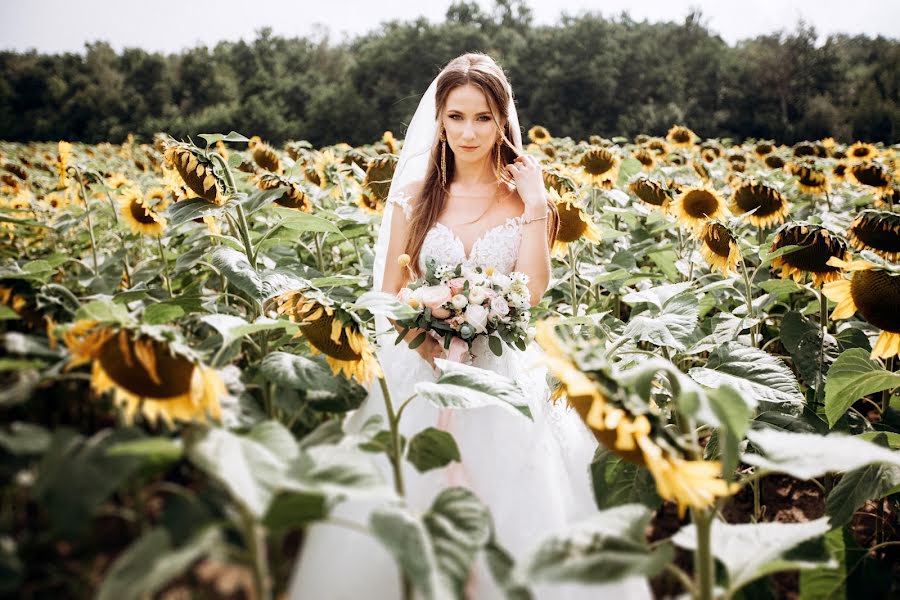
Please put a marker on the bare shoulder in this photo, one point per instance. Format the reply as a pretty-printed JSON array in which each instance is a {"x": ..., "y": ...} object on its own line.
[{"x": 413, "y": 189}]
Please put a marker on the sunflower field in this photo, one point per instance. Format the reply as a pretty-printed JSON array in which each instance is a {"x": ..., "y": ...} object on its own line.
[{"x": 185, "y": 322}]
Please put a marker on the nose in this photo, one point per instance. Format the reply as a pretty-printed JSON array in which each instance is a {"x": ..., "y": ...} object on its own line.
[{"x": 468, "y": 132}]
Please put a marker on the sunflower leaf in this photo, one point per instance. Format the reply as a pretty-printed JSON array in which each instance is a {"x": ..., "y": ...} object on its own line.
[
  {"x": 464, "y": 386},
  {"x": 852, "y": 376},
  {"x": 871, "y": 482},
  {"x": 432, "y": 448},
  {"x": 190, "y": 209}
]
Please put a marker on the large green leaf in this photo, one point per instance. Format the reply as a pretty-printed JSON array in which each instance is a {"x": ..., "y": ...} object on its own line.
[
  {"x": 151, "y": 562},
  {"x": 852, "y": 376},
  {"x": 260, "y": 286},
  {"x": 871, "y": 482},
  {"x": 233, "y": 328},
  {"x": 605, "y": 547},
  {"x": 337, "y": 472},
  {"x": 464, "y": 386},
  {"x": 295, "y": 371},
  {"x": 808, "y": 455},
  {"x": 432, "y": 448},
  {"x": 300, "y": 221},
  {"x": 617, "y": 481},
  {"x": 381, "y": 303},
  {"x": 760, "y": 378},
  {"x": 750, "y": 551},
  {"x": 406, "y": 538},
  {"x": 671, "y": 327},
  {"x": 190, "y": 209},
  {"x": 25, "y": 438}
]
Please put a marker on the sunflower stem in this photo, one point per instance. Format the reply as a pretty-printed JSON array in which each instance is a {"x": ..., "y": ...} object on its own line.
[
  {"x": 756, "y": 486},
  {"x": 573, "y": 281},
  {"x": 112, "y": 206},
  {"x": 162, "y": 257},
  {"x": 823, "y": 323},
  {"x": 320, "y": 259},
  {"x": 886, "y": 394},
  {"x": 244, "y": 230},
  {"x": 704, "y": 567},
  {"x": 87, "y": 212},
  {"x": 255, "y": 538},
  {"x": 748, "y": 296}
]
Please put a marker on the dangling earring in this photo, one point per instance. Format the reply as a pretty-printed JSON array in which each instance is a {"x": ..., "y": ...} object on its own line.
[
  {"x": 443, "y": 158},
  {"x": 499, "y": 167}
]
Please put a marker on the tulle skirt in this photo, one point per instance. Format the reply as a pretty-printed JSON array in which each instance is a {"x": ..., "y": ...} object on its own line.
[{"x": 534, "y": 476}]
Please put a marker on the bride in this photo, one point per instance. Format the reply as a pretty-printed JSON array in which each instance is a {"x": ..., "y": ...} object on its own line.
[{"x": 464, "y": 192}]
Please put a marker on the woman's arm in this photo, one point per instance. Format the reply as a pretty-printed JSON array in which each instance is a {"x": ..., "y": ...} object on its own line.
[{"x": 534, "y": 251}]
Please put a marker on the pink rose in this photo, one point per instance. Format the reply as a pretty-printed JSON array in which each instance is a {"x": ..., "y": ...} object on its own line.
[
  {"x": 456, "y": 285},
  {"x": 457, "y": 350},
  {"x": 500, "y": 306},
  {"x": 435, "y": 297}
]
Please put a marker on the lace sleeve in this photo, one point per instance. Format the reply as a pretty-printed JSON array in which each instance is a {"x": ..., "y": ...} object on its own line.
[{"x": 402, "y": 199}]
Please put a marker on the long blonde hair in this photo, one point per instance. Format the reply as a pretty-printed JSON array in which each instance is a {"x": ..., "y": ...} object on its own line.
[{"x": 481, "y": 71}]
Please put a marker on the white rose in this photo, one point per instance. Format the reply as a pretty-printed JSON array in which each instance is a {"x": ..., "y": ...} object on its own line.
[
  {"x": 477, "y": 295},
  {"x": 502, "y": 281},
  {"x": 500, "y": 306},
  {"x": 459, "y": 301},
  {"x": 477, "y": 316}
]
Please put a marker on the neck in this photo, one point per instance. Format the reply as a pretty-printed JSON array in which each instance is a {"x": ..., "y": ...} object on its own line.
[{"x": 467, "y": 173}]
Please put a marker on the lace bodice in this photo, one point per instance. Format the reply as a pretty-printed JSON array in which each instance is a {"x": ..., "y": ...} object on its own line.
[{"x": 497, "y": 247}]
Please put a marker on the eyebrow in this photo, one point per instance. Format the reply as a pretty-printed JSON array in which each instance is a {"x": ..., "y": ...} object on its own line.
[{"x": 484, "y": 112}]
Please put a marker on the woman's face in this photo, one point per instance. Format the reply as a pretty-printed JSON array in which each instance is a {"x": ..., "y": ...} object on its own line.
[{"x": 471, "y": 130}]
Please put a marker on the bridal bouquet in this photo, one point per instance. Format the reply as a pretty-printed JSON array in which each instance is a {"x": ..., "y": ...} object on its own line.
[{"x": 457, "y": 304}]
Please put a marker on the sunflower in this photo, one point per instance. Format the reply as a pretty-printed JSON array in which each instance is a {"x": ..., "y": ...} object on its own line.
[
  {"x": 157, "y": 199},
  {"x": 804, "y": 149},
  {"x": 763, "y": 149},
  {"x": 118, "y": 180},
  {"x": 264, "y": 155},
  {"x": 874, "y": 293},
  {"x": 695, "y": 205},
  {"x": 870, "y": 174},
  {"x": 658, "y": 147},
  {"x": 390, "y": 141},
  {"x": 773, "y": 161},
  {"x": 862, "y": 151},
  {"x": 876, "y": 231},
  {"x": 701, "y": 170},
  {"x": 810, "y": 179},
  {"x": 595, "y": 397},
  {"x": 139, "y": 215},
  {"x": 378, "y": 176},
  {"x": 651, "y": 192},
  {"x": 709, "y": 155},
  {"x": 646, "y": 158},
  {"x": 681, "y": 137},
  {"x": 817, "y": 247},
  {"x": 574, "y": 223},
  {"x": 599, "y": 166},
  {"x": 145, "y": 374},
  {"x": 294, "y": 197},
  {"x": 762, "y": 204},
  {"x": 554, "y": 178},
  {"x": 839, "y": 172},
  {"x": 196, "y": 171},
  {"x": 332, "y": 332},
  {"x": 719, "y": 248},
  {"x": 370, "y": 203},
  {"x": 539, "y": 135},
  {"x": 62, "y": 161},
  {"x": 889, "y": 198}
]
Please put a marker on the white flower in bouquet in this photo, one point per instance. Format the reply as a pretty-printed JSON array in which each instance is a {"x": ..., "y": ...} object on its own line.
[
  {"x": 499, "y": 306},
  {"x": 444, "y": 272},
  {"x": 459, "y": 301},
  {"x": 518, "y": 300},
  {"x": 477, "y": 316},
  {"x": 502, "y": 281},
  {"x": 477, "y": 295},
  {"x": 518, "y": 277}
]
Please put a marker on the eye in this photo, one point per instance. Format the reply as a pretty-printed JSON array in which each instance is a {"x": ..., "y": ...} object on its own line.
[
  {"x": 484, "y": 118},
  {"x": 455, "y": 117}
]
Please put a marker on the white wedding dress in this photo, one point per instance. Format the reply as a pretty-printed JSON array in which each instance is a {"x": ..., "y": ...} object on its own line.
[{"x": 533, "y": 475}]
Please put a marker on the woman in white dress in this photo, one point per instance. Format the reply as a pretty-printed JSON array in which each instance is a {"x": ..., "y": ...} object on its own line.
[{"x": 466, "y": 193}]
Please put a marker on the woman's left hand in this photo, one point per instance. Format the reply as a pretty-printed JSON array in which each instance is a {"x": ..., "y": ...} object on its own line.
[{"x": 526, "y": 172}]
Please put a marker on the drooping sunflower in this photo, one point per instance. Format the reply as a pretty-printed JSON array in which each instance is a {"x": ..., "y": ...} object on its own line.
[
  {"x": 804, "y": 149},
  {"x": 862, "y": 151},
  {"x": 599, "y": 402},
  {"x": 696, "y": 205},
  {"x": 264, "y": 155},
  {"x": 658, "y": 147},
  {"x": 701, "y": 170},
  {"x": 762, "y": 204},
  {"x": 646, "y": 158},
  {"x": 599, "y": 166},
  {"x": 763, "y": 149},
  {"x": 554, "y": 178},
  {"x": 196, "y": 171},
  {"x": 876, "y": 231},
  {"x": 708, "y": 155},
  {"x": 817, "y": 247},
  {"x": 574, "y": 223},
  {"x": 379, "y": 174},
  {"x": 719, "y": 247},
  {"x": 62, "y": 161},
  {"x": 773, "y": 161},
  {"x": 651, "y": 192},
  {"x": 810, "y": 179},
  {"x": 870, "y": 174},
  {"x": 139, "y": 215},
  {"x": 873, "y": 292},
  {"x": 146, "y": 375},
  {"x": 157, "y": 199},
  {"x": 391, "y": 142},
  {"x": 118, "y": 180},
  {"x": 681, "y": 137},
  {"x": 332, "y": 332},
  {"x": 891, "y": 197},
  {"x": 294, "y": 197},
  {"x": 539, "y": 135}
]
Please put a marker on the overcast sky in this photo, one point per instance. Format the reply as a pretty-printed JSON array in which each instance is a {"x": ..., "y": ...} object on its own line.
[{"x": 52, "y": 26}]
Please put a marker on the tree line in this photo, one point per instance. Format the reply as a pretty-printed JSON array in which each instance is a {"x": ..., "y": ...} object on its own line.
[{"x": 585, "y": 74}]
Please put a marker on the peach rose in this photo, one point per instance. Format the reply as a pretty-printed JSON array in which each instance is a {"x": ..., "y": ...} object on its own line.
[{"x": 435, "y": 297}]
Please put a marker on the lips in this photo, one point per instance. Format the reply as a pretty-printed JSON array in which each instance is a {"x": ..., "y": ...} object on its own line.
[{"x": 468, "y": 148}]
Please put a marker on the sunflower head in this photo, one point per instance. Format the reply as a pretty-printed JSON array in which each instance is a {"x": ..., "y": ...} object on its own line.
[
  {"x": 379, "y": 174},
  {"x": 139, "y": 214},
  {"x": 817, "y": 247},
  {"x": 804, "y": 149},
  {"x": 62, "y": 162},
  {"x": 870, "y": 174},
  {"x": 539, "y": 135},
  {"x": 658, "y": 147},
  {"x": 719, "y": 247},
  {"x": 196, "y": 170},
  {"x": 599, "y": 166},
  {"x": 574, "y": 223},
  {"x": 810, "y": 179},
  {"x": 145, "y": 373},
  {"x": 763, "y": 149},
  {"x": 294, "y": 197},
  {"x": 862, "y": 151},
  {"x": 762, "y": 204},
  {"x": 773, "y": 161},
  {"x": 876, "y": 231},
  {"x": 839, "y": 172},
  {"x": 681, "y": 137},
  {"x": 333, "y": 332},
  {"x": 646, "y": 158},
  {"x": 556, "y": 180},
  {"x": 390, "y": 141},
  {"x": 264, "y": 155},
  {"x": 696, "y": 205},
  {"x": 651, "y": 192}
]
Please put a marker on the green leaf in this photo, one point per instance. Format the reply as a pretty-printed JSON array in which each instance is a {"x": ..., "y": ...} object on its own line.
[
  {"x": 464, "y": 386},
  {"x": 8, "y": 314},
  {"x": 751, "y": 551},
  {"x": 831, "y": 582},
  {"x": 151, "y": 562},
  {"x": 260, "y": 286},
  {"x": 104, "y": 311},
  {"x": 852, "y": 376},
  {"x": 405, "y": 537},
  {"x": 190, "y": 209},
  {"x": 25, "y": 438},
  {"x": 432, "y": 448},
  {"x": 384, "y": 304},
  {"x": 733, "y": 414},
  {"x": 808, "y": 455},
  {"x": 290, "y": 510},
  {"x": 338, "y": 472},
  {"x": 871, "y": 482},
  {"x": 157, "y": 314},
  {"x": 617, "y": 482},
  {"x": 496, "y": 345},
  {"x": 672, "y": 327},
  {"x": 233, "y": 328},
  {"x": 156, "y": 450},
  {"x": 301, "y": 221},
  {"x": 606, "y": 547},
  {"x": 759, "y": 377},
  {"x": 294, "y": 371},
  {"x": 893, "y": 439}
]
